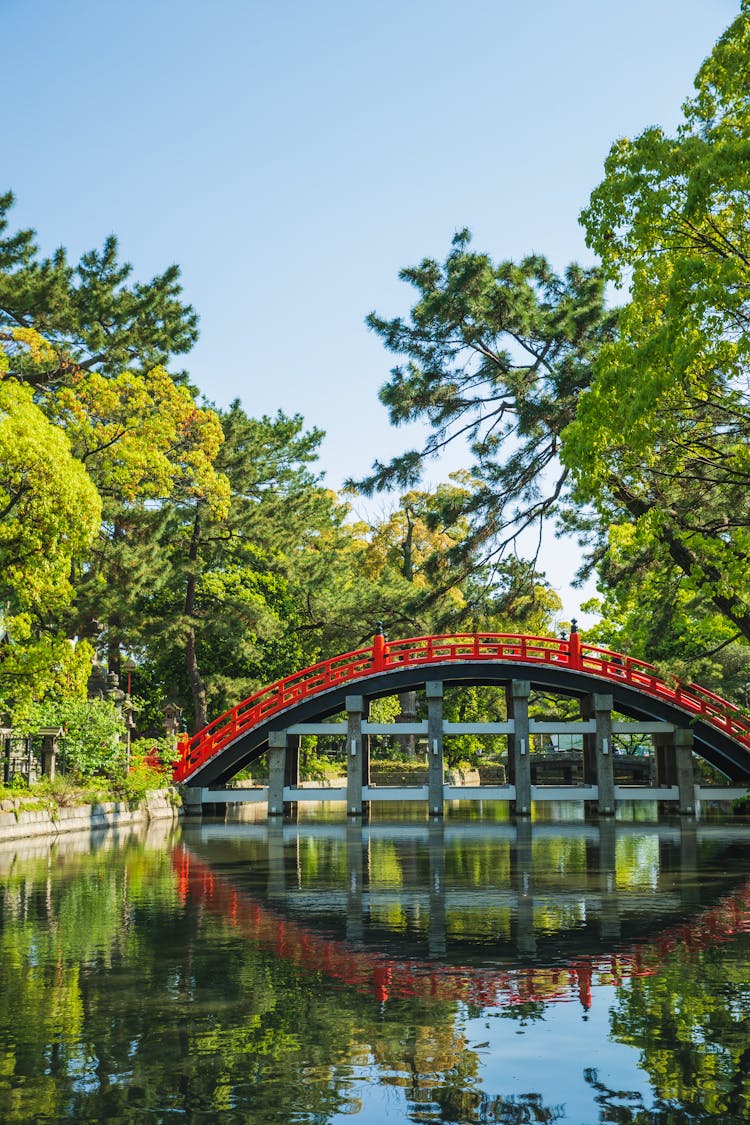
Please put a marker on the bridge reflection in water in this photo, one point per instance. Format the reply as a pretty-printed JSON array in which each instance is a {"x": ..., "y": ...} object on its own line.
[{"x": 491, "y": 914}]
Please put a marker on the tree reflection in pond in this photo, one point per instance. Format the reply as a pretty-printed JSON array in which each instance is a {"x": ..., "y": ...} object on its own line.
[{"x": 215, "y": 976}]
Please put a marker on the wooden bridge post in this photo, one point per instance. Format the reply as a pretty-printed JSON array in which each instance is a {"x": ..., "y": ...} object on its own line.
[
  {"x": 276, "y": 771},
  {"x": 519, "y": 768},
  {"x": 356, "y": 750},
  {"x": 598, "y": 767},
  {"x": 435, "y": 775}
]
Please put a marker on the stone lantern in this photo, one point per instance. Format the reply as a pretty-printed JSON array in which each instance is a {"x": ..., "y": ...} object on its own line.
[{"x": 172, "y": 717}]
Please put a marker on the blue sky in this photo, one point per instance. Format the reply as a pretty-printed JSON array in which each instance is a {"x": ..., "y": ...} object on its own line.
[{"x": 293, "y": 155}]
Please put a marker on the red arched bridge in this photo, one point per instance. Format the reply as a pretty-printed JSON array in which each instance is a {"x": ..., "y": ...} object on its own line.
[{"x": 720, "y": 732}]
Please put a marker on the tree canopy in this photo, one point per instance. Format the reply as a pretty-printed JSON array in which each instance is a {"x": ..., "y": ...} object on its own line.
[
  {"x": 202, "y": 544},
  {"x": 494, "y": 355},
  {"x": 659, "y": 444}
]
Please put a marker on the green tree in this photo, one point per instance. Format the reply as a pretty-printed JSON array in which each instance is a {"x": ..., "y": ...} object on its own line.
[
  {"x": 659, "y": 445},
  {"x": 49, "y": 515},
  {"x": 149, "y": 448},
  {"x": 495, "y": 355},
  {"x": 94, "y": 732},
  {"x": 93, "y": 316},
  {"x": 233, "y": 604},
  {"x": 652, "y": 611}
]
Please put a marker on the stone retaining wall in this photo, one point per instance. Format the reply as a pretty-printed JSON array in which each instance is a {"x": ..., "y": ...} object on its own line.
[{"x": 18, "y": 823}]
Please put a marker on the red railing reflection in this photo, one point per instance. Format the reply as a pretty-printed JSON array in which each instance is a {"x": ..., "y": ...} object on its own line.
[{"x": 385, "y": 977}]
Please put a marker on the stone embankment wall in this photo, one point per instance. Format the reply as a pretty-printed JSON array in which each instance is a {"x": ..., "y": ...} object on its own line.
[{"x": 17, "y": 822}]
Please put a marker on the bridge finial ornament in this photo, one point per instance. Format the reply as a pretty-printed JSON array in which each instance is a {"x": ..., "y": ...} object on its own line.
[{"x": 378, "y": 648}]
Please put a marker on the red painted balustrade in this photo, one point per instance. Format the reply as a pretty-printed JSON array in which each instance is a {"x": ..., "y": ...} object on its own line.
[{"x": 454, "y": 648}]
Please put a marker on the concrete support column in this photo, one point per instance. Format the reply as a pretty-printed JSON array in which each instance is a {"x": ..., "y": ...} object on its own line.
[
  {"x": 665, "y": 759},
  {"x": 408, "y": 701},
  {"x": 598, "y": 767},
  {"x": 356, "y": 751},
  {"x": 291, "y": 768},
  {"x": 276, "y": 771},
  {"x": 665, "y": 763},
  {"x": 683, "y": 749},
  {"x": 519, "y": 769},
  {"x": 434, "y": 692},
  {"x": 366, "y": 748},
  {"x": 673, "y": 754}
]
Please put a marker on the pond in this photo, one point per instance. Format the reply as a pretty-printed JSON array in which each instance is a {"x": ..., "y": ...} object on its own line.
[{"x": 471, "y": 969}]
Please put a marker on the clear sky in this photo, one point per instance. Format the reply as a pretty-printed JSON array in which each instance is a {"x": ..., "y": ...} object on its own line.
[{"x": 293, "y": 155}]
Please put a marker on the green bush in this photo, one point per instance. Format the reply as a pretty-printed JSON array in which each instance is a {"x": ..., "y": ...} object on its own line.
[{"x": 94, "y": 733}]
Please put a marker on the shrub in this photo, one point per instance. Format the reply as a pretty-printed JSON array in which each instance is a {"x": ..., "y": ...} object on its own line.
[{"x": 94, "y": 730}]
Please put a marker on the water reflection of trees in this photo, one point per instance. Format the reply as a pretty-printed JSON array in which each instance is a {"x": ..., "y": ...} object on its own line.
[
  {"x": 120, "y": 998},
  {"x": 691, "y": 1026},
  {"x": 122, "y": 991}
]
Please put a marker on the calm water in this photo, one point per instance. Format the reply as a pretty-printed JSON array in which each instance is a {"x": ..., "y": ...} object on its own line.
[{"x": 471, "y": 971}]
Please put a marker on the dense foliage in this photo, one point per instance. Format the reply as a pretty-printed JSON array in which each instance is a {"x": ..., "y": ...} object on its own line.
[
  {"x": 142, "y": 526},
  {"x": 630, "y": 426}
]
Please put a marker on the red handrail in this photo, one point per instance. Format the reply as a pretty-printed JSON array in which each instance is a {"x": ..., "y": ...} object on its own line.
[
  {"x": 381, "y": 975},
  {"x": 387, "y": 656}
]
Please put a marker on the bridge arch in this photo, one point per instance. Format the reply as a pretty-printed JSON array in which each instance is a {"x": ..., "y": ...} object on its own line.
[{"x": 721, "y": 731}]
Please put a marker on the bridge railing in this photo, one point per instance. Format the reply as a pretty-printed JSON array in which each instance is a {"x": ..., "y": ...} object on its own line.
[{"x": 389, "y": 656}]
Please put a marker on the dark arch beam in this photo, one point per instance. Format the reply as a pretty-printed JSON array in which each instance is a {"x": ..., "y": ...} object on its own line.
[{"x": 712, "y": 744}]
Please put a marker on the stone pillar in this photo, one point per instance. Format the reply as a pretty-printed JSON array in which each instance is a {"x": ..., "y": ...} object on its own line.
[
  {"x": 665, "y": 761},
  {"x": 434, "y": 692},
  {"x": 291, "y": 767},
  {"x": 673, "y": 754},
  {"x": 276, "y": 771},
  {"x": 683, "y": 748},
  {"x": 408, "y": 701},
  {"x": 598, "y": 768},
  {"x": 49, "y": 752},
  {"x": 519, "y": 769},
  {"x": 355, "y": 754}
]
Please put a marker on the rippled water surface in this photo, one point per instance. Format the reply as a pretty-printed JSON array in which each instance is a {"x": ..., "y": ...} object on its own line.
[{"x": 472, "y": 970}]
